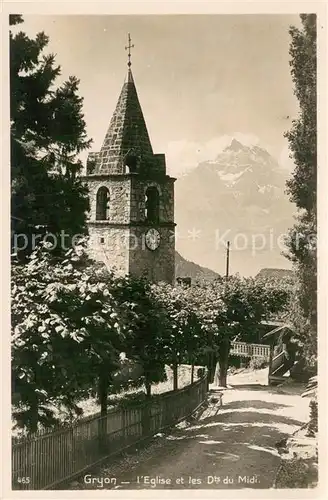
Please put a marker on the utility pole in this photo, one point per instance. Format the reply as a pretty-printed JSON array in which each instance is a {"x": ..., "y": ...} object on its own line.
[{"x": 227, "y": 261}]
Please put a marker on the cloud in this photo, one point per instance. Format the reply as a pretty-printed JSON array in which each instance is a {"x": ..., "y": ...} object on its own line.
[
  {"x": 284, "y": 159},
  {"x": 246, "y": 139},
  {"x": 182, "y": 156}
]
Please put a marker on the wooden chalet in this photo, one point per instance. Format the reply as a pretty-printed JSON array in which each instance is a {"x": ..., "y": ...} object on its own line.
[{"x": 275, "y": 346}]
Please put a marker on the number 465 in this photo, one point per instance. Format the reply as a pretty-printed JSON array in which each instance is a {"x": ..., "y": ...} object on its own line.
[{"x": 23, "y": 480}]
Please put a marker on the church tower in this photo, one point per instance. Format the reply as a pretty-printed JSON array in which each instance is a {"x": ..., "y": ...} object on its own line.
[{"x": 131, "y": 223}]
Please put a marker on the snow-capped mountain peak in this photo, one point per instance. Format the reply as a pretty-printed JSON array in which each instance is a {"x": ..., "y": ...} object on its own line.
[
  {"x": 243, "y": 191},
  {"x": 235, "y": 146}
]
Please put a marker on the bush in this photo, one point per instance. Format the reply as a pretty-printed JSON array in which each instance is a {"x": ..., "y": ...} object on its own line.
[
  {"x": 234, "y": 361},
  {"x": 313, "y": 424},
  {"x": 245, "y": 361},
  {"x": 237, "y": 362},
  {"x": 258, "y": 363},
  {"x": 300, "y": 372},
  {"x": 297, "y": 473}
]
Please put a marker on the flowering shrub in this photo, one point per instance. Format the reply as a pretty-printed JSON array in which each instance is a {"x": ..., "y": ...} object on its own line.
[{"x": 256, "y": 363}]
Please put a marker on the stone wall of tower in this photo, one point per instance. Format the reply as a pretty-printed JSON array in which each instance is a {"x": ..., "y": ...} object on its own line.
[
  {"x": 110, "y": 245},
  {"x": 165, "y": 188},
  {"x": 109, "y": 239},
  {"x": 124, "y": 249},
  {"x": 120, "y": 241},
  {"x": 167, "y": 200},
  {"x": 119, "y": 197},
  {"x": 158, "y": 265}
]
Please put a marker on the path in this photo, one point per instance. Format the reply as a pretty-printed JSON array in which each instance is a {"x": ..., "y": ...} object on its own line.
[{"x": 228, "y": 447}]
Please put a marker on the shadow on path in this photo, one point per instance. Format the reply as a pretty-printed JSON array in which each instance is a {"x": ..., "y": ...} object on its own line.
[
  {"x": 248, "y": 418},
  {"x": 254, "y": 403},
  {"x": 228, "y": 447},
  {"x": 256, "y": 387}
]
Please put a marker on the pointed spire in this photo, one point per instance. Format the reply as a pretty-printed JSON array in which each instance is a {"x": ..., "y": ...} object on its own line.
[
  {"x": 127, "y": 134},
  {"x": 127, "y": 141},
  {"x": 129, "y": 77}
]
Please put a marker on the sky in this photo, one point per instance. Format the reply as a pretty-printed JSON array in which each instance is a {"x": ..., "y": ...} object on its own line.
[{"x": 201, "y": 79}]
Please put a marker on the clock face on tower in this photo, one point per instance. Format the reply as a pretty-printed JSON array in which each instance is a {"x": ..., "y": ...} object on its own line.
[{"x": 152, "y": 239}]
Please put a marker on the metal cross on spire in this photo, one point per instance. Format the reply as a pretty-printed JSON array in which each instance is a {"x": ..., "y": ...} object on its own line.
[{"x": 129, "y": 47}]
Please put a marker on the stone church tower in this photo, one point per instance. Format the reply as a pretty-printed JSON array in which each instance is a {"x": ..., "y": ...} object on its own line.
[{"x": 131, "y": 223}]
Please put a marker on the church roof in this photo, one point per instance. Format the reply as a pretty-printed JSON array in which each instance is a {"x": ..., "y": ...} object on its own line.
[{"x": 127, "y": 134}]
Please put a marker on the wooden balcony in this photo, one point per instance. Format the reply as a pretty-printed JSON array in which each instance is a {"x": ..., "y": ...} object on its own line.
[
  {"x": 243, "y": 349},
  {"x": 279, "y": 363}
]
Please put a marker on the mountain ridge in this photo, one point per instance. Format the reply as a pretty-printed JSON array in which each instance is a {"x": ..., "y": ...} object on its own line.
[
  {"x": 241, "y": 191},
  {"x": 185, "y": 268}
]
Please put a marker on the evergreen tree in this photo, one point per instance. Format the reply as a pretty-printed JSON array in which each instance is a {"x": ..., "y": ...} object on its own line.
[
  {"x": 302, "y": 186},
  {"x": 47, "y": 135}
]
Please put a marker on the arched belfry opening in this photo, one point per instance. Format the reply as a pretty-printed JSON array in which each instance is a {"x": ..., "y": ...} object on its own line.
[
  {"x": 152, "y": 204},
  {"x": 131, "y": 164},
  {"x": 102, "y": 204}
]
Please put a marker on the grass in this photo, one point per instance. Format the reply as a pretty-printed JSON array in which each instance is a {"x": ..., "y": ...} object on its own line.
[{"x": 91, "y": 407}]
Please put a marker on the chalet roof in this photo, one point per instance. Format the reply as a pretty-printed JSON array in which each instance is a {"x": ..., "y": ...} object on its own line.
[{"x": 278, "y": 331}]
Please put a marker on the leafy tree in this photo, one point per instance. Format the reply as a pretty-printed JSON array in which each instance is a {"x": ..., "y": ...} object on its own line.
[
  {"x": 182, "y": 336},
  {"x": 196, "y": 345},
  {"x": 204, "y": 319},
  {"x": 47, "y": 135},
  {"x": 67, "y": 335},
  {"x": 229, "y": 310},
  {"x": 302, "y": 186},
  {"x": 146, "y": 327},
  {"x": 302, "y": 137}
]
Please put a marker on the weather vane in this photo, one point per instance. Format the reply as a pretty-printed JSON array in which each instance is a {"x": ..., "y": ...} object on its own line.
[{"x": 129, "y": 47}]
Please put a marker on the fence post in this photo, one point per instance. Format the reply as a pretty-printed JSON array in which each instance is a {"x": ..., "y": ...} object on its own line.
[
  {"x": 124, "y": 425},
  {"x": 102, "y": 434},
  {"x": 146, "y": 419}
]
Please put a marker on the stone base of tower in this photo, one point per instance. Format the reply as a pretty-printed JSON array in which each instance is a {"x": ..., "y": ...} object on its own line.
[
  {"x": 110, "y": 246},
  {"x": 124, "y": 250},
  {"x": 158, "y": 265}
]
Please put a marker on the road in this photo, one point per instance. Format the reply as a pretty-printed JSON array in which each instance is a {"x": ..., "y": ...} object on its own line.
[{"x": 227, "y": 447}]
